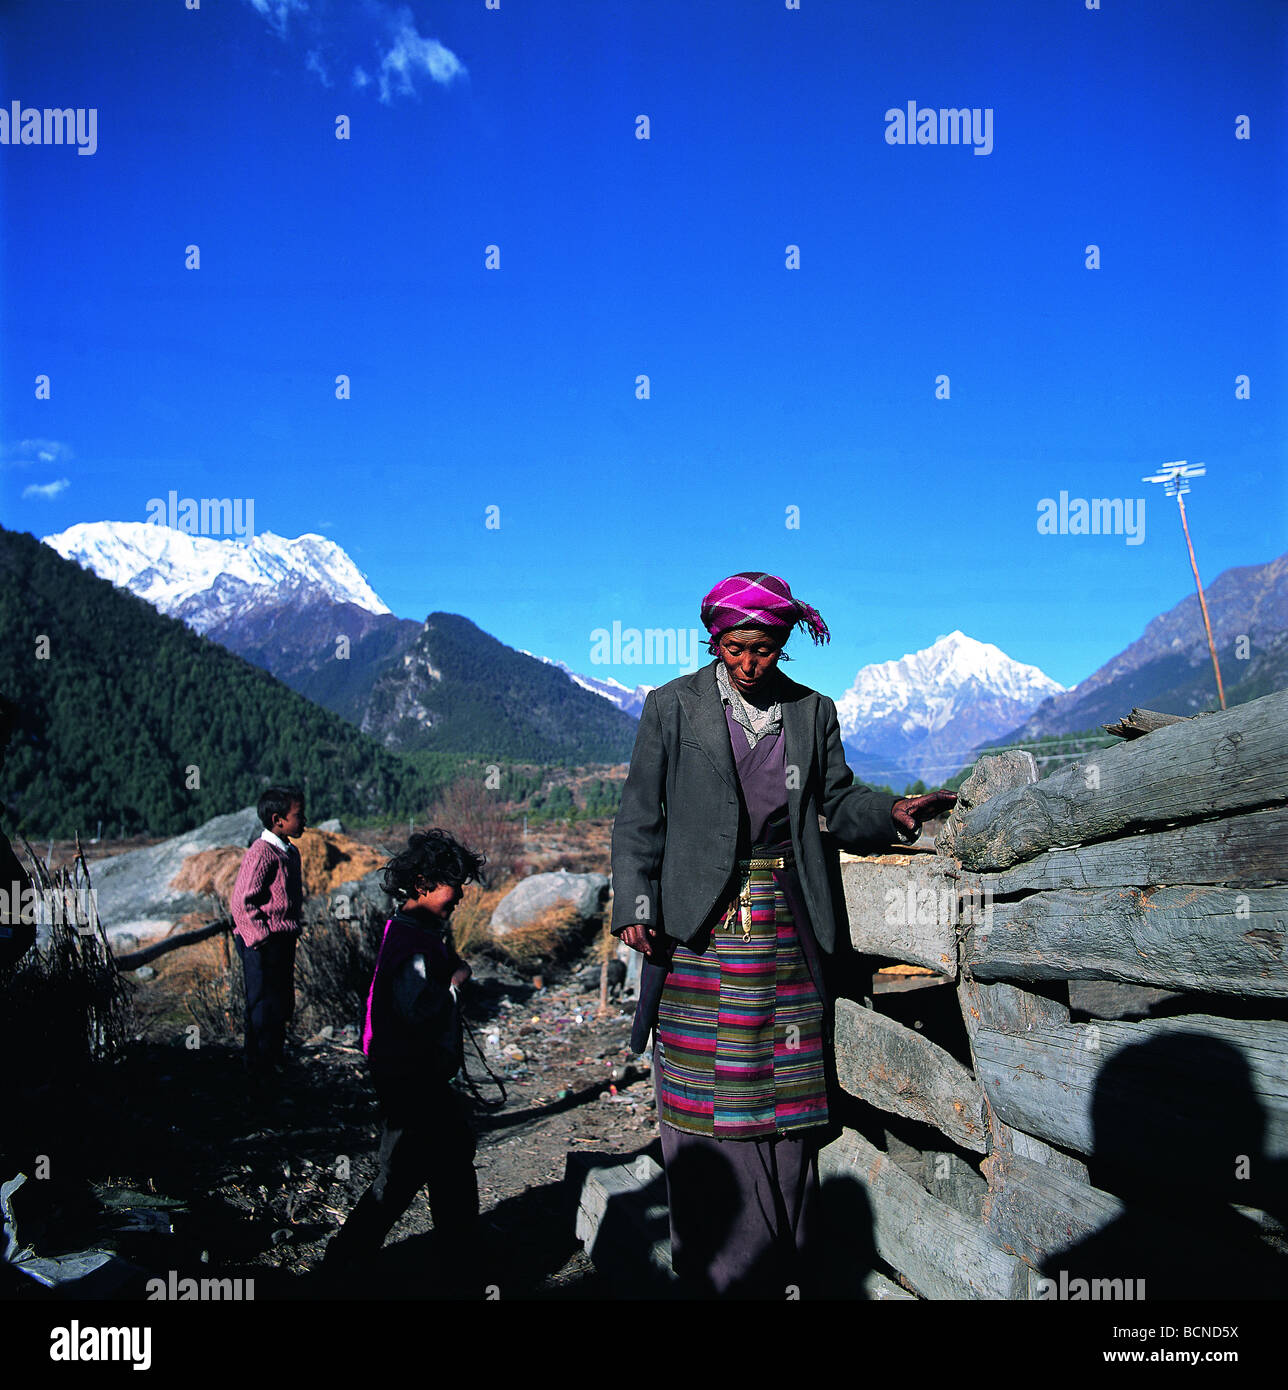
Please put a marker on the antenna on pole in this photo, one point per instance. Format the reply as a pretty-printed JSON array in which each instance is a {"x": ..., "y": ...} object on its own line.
[{"x": 1175, "y": 478}]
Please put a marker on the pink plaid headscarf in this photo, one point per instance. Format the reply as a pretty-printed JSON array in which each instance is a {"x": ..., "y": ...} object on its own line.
[{"x": 754, "y": 599}]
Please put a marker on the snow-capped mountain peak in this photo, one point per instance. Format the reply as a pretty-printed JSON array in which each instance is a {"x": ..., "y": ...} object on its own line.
[
  {"x": 207, "y": 579},
  {"x": 926, "y": 712},
  {"x": 923, "y": 684}
]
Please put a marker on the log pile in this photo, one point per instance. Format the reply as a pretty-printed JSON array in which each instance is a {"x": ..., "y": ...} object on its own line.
[{"x": 1156, "y": 862}]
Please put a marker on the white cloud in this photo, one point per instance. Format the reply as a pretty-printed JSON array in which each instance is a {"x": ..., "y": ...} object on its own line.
[
  {"x": 46, "y": 490},
  {"x": 313, "y": 63},
  {"x": 279, "y": 12},
  {"x": 327, "y": 34},
  {"x": 28, "y": 451},
  {"x": 412, "y": 54}
]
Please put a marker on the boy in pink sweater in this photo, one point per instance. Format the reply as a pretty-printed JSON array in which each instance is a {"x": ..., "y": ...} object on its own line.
[{"x": 266, "y": 903}]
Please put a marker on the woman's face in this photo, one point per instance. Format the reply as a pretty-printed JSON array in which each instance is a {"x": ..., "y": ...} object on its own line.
[{"x": 750, "y": 656}]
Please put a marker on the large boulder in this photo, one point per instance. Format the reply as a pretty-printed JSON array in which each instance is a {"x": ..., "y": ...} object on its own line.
[
  {"x": 135, "y": 892},
  {"x": 363, "y": 900},
  {"x": 584, "y": 894}
]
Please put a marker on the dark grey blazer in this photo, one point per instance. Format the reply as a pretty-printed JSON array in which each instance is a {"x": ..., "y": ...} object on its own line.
[{"x": 675, "y": 840}]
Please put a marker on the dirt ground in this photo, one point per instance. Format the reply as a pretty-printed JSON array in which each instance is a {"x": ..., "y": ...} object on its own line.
[{"x": 168, "y": 1158}]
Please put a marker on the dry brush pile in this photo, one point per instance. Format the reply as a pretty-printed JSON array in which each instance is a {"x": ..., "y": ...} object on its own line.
[{"x": 63, "y": 1005}]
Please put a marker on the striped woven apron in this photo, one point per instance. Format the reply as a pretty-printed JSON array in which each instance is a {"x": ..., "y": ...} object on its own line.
[{"x": 740, "y": 1023}]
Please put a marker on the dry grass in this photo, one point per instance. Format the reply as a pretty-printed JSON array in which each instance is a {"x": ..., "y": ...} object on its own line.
[
  {"x": 333, "y": 968},
  {"x": 217, "y": 1003},
  {"x": 209, "y": 871},
  {"x": 605, "y": 947},
  {"x": 471, "y": 921},
  {"x": 63, "y": 1005},
  {"x": 544, "y": 939},
  {"x": 328, "y": 859}
]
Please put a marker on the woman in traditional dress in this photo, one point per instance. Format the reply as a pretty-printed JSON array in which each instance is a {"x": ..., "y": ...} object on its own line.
[{"x": 721, "y": 879}]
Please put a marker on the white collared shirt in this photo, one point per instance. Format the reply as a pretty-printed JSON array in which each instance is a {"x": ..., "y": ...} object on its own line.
[{"x": 283, "y": 845}]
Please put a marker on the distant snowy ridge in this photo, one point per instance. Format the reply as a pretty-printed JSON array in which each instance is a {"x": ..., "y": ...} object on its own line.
[
  {"x": 632, "y": 701},
  {"x": 205, "y": 580}
]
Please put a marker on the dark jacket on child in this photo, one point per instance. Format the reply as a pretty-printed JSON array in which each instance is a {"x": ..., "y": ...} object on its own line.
[
  {"x": 413, "y": 1034},
  {"x": 412, "y": 1039}
]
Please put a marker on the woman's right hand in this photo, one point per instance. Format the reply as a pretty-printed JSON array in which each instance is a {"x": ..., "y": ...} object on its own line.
[{"x": 639, "y": 938}]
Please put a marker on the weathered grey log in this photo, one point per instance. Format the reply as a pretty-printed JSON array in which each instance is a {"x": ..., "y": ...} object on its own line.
[
  {"x": 1031, "y": 1147},
  {"x": 1190, "y": 937},
  {"x": 880, "y": 1289},
  {"x": 1034, "y": 1210},
  {"x": 899, "y": 1070},
  {"x": 904, "y": 907},
  {"x": 940, "y": 1252},
  {"x": 949, "y": 1178},
  {"x": 1141, "y": 722},
  {"x": 1246, "y": 849},
  {"x": 991, "y": 775},
  {"x": 944, "y": 1173},
  {"x": 1236, "y": 760},
  {"x": 131, "y": 960},
  {"x": 1249, "y": 848},
  {"x": 1113, "y": 999},
  {"x": 1005, "y": 1008},
  {"x": 1043, "y": 1081}
]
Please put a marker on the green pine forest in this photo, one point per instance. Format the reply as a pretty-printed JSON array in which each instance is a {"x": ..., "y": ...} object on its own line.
[{"x": 491, "y": 699}]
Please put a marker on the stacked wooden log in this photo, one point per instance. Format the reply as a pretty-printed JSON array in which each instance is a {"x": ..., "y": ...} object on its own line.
[{"x": 1159, "y": 861}]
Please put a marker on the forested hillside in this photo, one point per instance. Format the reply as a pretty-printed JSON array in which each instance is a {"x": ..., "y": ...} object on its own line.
[
  {"x": 131, "y": 718},
  {"x": 457, "y": 689}
]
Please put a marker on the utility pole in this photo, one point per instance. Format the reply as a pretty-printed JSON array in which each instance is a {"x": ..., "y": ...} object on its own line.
[{"x": 1175, "y": 477}]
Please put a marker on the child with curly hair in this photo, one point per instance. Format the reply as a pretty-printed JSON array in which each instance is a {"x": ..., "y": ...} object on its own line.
[{"x": 413, "y": 1043}]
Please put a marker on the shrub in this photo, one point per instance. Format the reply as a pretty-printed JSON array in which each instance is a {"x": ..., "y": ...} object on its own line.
[
  {"x": 334, "y": 965},
  {"x": 475, "y": 816},
  {"x": 217, "y": 1004}
]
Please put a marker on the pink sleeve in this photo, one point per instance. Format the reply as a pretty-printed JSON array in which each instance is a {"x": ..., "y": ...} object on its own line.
[{"x": 249, "y": 895}]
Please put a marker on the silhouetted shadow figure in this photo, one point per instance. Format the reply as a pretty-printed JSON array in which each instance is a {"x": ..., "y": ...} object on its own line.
[
  {"x": 1179, "y": 1135},
  {"x": 704, "y": 1203},
  {"x": 846, "y": 1250},
  {"x": 720, "y": 1220},
  {"x": 632, "y": 1223}
]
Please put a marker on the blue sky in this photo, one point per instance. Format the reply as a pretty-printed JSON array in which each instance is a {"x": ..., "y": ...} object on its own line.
[{"x": 770, "y": 388}]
